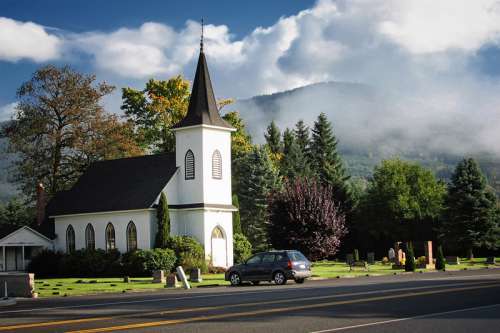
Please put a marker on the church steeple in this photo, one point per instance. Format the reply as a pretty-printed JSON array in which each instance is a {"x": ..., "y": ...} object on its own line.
[{"x": 202, "y": 108}]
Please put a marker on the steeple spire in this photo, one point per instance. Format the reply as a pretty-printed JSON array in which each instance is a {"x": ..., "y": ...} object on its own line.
[
  {"x": 201, "y": 39},
  {"x": 202, "y": 109}
]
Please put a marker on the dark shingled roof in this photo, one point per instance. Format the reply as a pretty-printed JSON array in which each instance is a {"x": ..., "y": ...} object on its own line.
[
  {"x": 122, "y": 184},
  {"x": 7, "y": 229},
  {"x": 202, "y": 108}
]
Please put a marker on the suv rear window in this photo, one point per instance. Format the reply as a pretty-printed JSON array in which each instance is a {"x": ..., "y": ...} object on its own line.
[{"x": 296, "y": 256}]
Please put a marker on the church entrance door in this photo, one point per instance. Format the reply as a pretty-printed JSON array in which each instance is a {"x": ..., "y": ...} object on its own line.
[{"x": 219, "y": 248}]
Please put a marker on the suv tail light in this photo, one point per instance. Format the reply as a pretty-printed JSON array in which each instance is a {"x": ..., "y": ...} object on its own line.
[{"x": 289, "y": 264}]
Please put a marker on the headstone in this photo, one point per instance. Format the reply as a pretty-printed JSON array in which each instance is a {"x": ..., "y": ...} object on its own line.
[
  {"x": 491, "y": 260},
  {"x": 452, "y": 260},
  {"x": 159, "y": 276},
  {"x": 184, "y": 279},
  {"x": 391, "y": 255},
  {"x": 349, "y": 258},
  {"x": 370, "y": 257},
  {"x": 429, "y": 260},
  {"x": 172, "y": 281},
  {"x": 195, "y": 275}
]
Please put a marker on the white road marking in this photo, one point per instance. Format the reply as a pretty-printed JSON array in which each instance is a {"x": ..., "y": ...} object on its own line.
[{"x": 429, "y": 315}]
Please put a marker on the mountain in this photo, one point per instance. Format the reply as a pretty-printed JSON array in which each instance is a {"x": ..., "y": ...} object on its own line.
[{"x": 370, "y": 124}]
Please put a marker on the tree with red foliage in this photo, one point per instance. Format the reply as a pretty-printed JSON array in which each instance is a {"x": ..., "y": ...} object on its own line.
[{"x": 305, "y": 217}]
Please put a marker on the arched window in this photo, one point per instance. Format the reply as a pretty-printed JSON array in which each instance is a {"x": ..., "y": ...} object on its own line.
[
  {"x": 89, "y": 237},
  {"x": 216, "y": 165},
  {"x": 110, "y": 237},
  {"x": 70, "y": 239},
  {"x": 189, "y": 165},
  {"x": 217, "y": 233},
  {"x": 131, "y": 237}
]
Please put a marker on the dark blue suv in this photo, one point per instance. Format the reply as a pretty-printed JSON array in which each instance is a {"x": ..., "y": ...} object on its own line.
[{"x": 277, "y": 266}]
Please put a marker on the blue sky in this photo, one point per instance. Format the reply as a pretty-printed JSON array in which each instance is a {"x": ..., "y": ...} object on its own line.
[
  {"x": 81, "y": 16},
  {"x": 437, "y": 63}
]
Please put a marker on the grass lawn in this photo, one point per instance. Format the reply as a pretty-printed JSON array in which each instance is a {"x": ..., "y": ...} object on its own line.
[{"x": 321, "y": 269}]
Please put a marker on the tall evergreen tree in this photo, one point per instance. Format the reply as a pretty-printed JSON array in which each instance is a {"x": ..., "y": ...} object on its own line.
[
  {"x": 303, "y": 137},
  {"x": 294, "y": 163},
  {"x": 236, "y": 216},
  {"x": 257, "y": 178},
  {"x": 273, "y": 138},
  {"x": 326, "y": 161},
  {"x": 471, "y": 217},
  {"x": 163, "y": 220}
]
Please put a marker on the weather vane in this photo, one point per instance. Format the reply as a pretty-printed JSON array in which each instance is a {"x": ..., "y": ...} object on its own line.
[{"x": 201, "y": 39}]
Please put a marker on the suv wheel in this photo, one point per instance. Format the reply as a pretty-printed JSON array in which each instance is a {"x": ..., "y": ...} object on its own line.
[
  {"x": 235, "y": 279},
  {"x": 279, "y": 278}
]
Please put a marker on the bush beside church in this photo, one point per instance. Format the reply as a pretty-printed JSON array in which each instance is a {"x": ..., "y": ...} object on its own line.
[{"x": 185, "y": 251}]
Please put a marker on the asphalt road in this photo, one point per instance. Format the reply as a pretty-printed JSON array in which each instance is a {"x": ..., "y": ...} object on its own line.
[{"x": 466, "y": 301}]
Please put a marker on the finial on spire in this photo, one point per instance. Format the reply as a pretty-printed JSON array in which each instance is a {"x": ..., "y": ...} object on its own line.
[{"x": 201, "y": 39}]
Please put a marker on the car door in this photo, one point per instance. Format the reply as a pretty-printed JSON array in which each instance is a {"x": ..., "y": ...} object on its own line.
[
  {"x": 266, "y": 267},
  {"x": 252, "y": 267}
]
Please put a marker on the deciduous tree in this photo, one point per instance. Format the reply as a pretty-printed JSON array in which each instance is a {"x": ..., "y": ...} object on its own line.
[
  {"x": 305, "y": 216},
  {"x": 60, "y": 128},
  {"x": 403, "y": 202},
  {"x": 155, "y": 109}
]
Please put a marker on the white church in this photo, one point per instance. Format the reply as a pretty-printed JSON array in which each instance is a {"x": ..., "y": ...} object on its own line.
[{"x": 113, "y": 204}]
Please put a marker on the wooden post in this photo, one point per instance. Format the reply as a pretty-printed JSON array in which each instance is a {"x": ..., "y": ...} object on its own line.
[
  {"x": 3, "y": 259},
  {"x": 24, "y": 266}
]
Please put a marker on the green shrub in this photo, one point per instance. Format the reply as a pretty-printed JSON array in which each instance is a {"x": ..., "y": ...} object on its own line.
[
  {"x": 156, "y": 259},
  {"x": 242, "y": 248},
  {"x": 46, "y": 264},
  {"x": 410, "y": 259},
  {"x": 440, "y": 261},
  {"x": 189, "y": 253},
  {"x": 421, "y": 260}
]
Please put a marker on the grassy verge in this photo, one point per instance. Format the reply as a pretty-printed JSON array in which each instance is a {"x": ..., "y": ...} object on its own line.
[{"x": 321, "y": 269}]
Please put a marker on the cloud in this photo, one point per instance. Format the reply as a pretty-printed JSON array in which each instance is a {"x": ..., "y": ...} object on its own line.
[
  {"x": 27, "y": 40},
  {"x": 427, "y": 26},
  {"x": 7, "y": 111},
  {"x": 429, "y": 63}
]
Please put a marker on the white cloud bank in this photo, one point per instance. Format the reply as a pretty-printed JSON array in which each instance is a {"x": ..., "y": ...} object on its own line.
[
  {"x": 27, "y": 40},
  {"x": 418, "y": 51}
]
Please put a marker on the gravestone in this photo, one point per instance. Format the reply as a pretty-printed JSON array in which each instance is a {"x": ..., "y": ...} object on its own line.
[
  {"x": 452, "y": 260},
  {"x": 429, "y": 260},
  {"x": 490, "y": 261},
  {"x": 159, "y": 276},
  {"x": 370, "y": 258},
  {"x": 172, "y": 281},
  {"x": 349, "y": 258},
  {"x": 391, "y": 255},
  {"x": 195, "y": 275}
]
